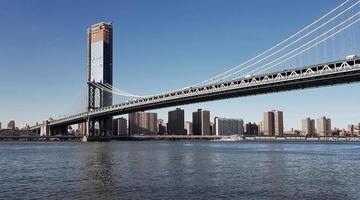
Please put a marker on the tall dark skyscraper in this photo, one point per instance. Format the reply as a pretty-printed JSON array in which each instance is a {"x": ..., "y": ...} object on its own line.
[
  {"x": 201, "y": 122},
  {"x": 100, "y": 71},
  {"x": 176, "y": 120}
]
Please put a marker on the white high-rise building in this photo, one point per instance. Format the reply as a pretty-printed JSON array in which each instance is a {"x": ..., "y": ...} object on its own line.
[{"x": 227, "y": 126}]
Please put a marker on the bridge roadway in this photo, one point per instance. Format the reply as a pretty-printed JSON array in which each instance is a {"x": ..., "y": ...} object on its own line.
[{"x": 327, "y": 74}]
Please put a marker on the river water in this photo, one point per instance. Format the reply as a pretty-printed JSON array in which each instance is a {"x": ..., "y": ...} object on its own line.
[{"x": 179, "y": 170}]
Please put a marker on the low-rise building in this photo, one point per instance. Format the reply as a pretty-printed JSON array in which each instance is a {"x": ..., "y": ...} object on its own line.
[{"x": 11, "y": 125}]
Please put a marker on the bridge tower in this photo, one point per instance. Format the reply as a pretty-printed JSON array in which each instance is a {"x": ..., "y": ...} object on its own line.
[{"x": 100, "y": 71}]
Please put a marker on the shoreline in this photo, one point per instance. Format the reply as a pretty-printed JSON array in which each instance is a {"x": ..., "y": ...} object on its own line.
[{"x": 234, "y": 138}]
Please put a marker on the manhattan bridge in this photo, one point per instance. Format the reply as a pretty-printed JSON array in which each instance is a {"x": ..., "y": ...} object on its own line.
[{"x": 324, "y": 53}]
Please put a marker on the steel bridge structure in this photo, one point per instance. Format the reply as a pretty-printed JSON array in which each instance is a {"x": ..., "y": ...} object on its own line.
[{"x": 327, "y": 74}]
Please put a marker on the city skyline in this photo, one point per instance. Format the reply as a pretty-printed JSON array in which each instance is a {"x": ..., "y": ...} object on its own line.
[
  {"x": 307, "y": 124},
  {"x": 30, "y": 96}
]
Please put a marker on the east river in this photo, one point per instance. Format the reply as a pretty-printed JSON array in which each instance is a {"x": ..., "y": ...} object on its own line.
[{"x": 179, "y": 170}]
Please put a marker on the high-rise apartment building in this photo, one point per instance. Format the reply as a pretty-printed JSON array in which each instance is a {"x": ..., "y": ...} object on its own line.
[
  {"x": 308, "y": 126},
  {"x": 251, "y": 129},
  {"x": 227, "y": 126},
  {"x": 269, "y": 124},
  {"x": 11, "y": 125},
  {"x": 162, "y": 127},
  {"x": 120, "y": 126},
  {"x": 278, "y": 123},
  {"x": 323, "y": 126},
  {"x": 273, "y": 124},
  {"x": 354, "y": 129},
  {"x": 201, "y": 122},
  {"x": 100, "y": 69},
  {"x": 143, "y": 123},
  {"x": 176, "y": 120}
]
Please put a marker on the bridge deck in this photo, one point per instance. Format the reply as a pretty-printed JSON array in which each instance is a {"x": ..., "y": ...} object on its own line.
[{"x": 338, "y": 72}]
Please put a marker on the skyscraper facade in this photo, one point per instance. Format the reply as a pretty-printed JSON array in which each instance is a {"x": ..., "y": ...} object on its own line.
[
  {"x": 143, "y": 123},
  {"x": 227, "y": 126},
  {"x": 176, "y": 120},
  {"x": 201, "y": 122}
]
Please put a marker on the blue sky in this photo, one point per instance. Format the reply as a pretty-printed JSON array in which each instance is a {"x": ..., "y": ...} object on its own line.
[{"x": 159, "y": 45}]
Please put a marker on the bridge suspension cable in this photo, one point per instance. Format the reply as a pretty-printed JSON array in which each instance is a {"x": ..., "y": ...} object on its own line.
[
  {"x": 108, "y": 88},
  {"x": 290, "y": 44},
  {"x": 333, "y": 34},
  {"x": 125, "y": 93},
  {"x": 222, "y": 75}
]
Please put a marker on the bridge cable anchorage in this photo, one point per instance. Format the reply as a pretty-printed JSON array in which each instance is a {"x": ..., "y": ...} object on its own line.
[
  {"x": 293, "y": 42},
  {"x": 333, "y": 34},
  {"x": 219, "y": 76}
]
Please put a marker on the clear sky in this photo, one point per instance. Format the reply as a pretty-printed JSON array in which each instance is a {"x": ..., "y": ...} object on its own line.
[{"x": 159, "y": 45}]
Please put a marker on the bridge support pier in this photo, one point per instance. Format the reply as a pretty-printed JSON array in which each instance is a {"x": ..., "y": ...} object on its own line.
[
  {"x": 45, "y": 129},
  {"x": 98, "y": 129}
]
